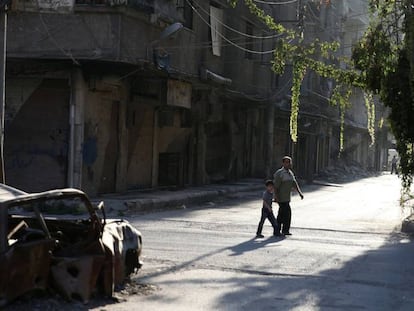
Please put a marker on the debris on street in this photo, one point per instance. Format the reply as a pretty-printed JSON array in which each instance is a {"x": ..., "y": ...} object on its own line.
[{"x": 344, "y": 171}]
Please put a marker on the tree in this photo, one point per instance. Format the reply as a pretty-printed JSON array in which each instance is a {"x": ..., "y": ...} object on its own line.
[
  {"x": 382, "y": 64},
  {"x": 384, "y": 57},
  {"x": 318, "y": 56}
]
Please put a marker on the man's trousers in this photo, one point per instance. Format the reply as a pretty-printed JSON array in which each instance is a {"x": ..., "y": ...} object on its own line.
[{"x": 284, "y": 216}]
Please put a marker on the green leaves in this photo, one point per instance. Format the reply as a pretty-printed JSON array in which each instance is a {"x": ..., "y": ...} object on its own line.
[
  {"x": 299, "y": 71},
  {"x": 385, "y": 58},
  {"x": 375, "y": 55},
  {"x": 397, "y": 94},
  {"x": 381, "y": 64},
  {"x": 318, "y": 56},
  {"x": 370, "y": 105},
  {"x": 340, "y": 97}
]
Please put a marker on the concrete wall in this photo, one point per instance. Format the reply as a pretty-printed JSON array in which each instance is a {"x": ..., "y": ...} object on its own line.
[{"x": 63, "y": 36}]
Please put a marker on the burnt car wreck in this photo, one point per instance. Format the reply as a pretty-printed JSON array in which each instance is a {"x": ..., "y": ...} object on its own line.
[{"x": 57, "y": 240}]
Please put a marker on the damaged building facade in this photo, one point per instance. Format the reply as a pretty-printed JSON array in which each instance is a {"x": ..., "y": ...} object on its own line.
[
  {"x": 344, "y": 22},
  {"x": 109, "y": 96}
]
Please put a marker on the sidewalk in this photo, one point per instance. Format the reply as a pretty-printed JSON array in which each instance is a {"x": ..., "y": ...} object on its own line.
[{"x": 137, "y": 201}]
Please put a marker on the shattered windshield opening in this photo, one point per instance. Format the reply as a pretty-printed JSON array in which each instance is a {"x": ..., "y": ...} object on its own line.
[{"x": 71, "y": 207}]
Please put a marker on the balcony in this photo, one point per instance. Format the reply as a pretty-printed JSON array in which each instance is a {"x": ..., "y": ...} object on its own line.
[
  {"x": 67, "y": 6},
  {"x": 146, "y": 6}
]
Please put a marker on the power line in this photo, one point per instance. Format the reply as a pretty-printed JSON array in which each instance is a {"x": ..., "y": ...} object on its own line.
[
  {"x": 232, "y": 40},
  {"x": 346, "y": 16},
  {"x": 202, "y": 44},
  {"x": 239, "y": 41},
  {"x": 278, "y": 92},
  {"x": 68, "y": 54},
  {"x": 235, "y": 30},
  {"x": 52, "y": 38},
  {"x": 225, "y": 39},
  {"x": 275, "y": 3}
]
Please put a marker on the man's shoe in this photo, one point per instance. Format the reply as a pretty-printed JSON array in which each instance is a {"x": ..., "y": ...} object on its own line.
[
  {"x": 287, "y": 233},
  {"x": 277, "y": 234},
  {"x": 259, "y": 236}
]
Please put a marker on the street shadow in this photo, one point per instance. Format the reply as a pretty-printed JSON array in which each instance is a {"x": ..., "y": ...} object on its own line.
[
  {"x": 253, "y": 244},
  {"x": 378, "y": 279},
  {"x": 236, "y": 250}
]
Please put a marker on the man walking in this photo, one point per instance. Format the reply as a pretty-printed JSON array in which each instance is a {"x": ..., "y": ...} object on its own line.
[
  {"x": 394, "y": 165},
  {"x": 284, "y": 182}
]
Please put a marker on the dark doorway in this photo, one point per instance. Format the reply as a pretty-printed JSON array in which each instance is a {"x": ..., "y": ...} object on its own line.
[
  {"x": 36, "y": 138},
  {"x": 169, "y": 169}
]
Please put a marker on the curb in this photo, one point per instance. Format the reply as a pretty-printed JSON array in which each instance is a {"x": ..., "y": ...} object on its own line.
[{"x": 172, "y": 200}]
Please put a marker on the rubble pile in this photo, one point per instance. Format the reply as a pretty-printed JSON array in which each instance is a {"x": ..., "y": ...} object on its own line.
[{"x": 344, "y": 171}]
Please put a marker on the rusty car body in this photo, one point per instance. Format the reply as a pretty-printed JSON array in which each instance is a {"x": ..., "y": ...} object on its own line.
[{"x": 56, "y": 239}]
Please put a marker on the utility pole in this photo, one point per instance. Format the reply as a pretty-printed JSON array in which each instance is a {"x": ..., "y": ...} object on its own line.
[{"x": 3, "y": 49}]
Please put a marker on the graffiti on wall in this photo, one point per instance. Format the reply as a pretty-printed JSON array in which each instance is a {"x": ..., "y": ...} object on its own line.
[
  {"x": 90, "y": 151},
  {"x": 55, "y": 147},
  {"x": 61, "y": 6},
  {"x": 90, "y": 147}
]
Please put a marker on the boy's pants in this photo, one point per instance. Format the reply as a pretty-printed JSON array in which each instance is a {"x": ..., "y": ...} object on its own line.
[{"x": 266, "y": 213}]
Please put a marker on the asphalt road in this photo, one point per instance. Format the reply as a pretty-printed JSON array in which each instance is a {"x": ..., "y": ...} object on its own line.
[{"x": 346, "y": 253}]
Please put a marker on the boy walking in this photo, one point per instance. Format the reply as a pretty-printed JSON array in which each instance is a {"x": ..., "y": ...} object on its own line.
[{"x": 267, "y": 211}]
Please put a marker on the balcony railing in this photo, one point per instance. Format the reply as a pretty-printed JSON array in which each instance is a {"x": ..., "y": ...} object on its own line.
[
  {"x": 142, "y": 5},
  {"x": 66, "y": 6},
  {"x": 91, "y": 2}
]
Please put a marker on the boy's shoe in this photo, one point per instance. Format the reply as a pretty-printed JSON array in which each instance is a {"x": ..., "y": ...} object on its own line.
[
  {"x": 287, "y": 233},
  {"x": 277, "y": 234},
  {"x": 259, "y": 236}
]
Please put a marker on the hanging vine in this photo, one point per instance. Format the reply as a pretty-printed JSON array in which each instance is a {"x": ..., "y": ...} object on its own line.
[
  {"x": 382, "y": 64},
  {"x": 340, "y": 97},
  {"x": 299, "y": 71},
  {"x": 370, "y": 106},
  {"x": 317, "y": 56},
  {"x": 385, "y": 58}
]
